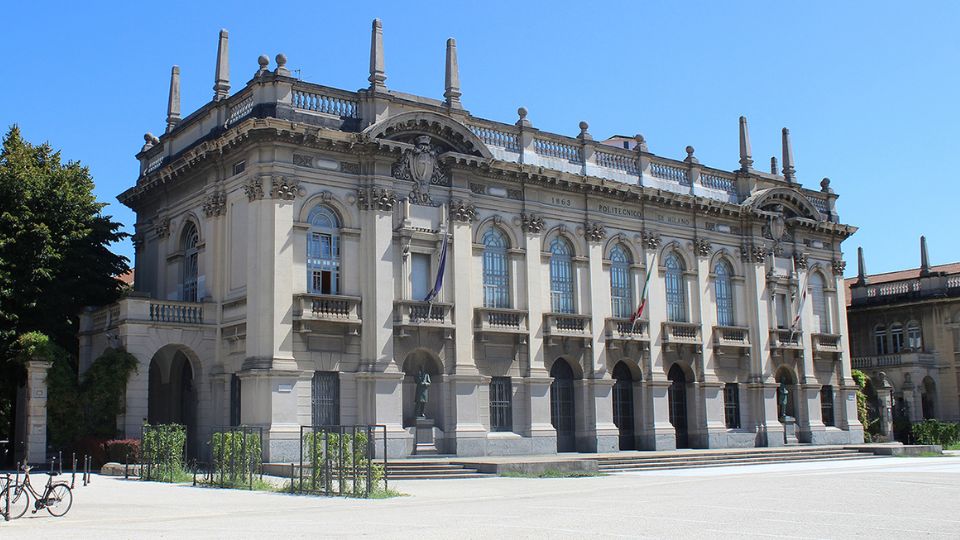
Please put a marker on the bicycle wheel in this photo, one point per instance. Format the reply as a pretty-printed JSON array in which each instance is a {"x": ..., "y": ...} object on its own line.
[
  {"x": 59, "y": 500},
  {"x": 19, "y": 501}
]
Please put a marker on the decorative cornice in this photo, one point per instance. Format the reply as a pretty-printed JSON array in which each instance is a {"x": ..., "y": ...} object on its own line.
[
  {"x": 254, "y": 188},
  {"x": 162, "y": 227},
  {"x": 531, "y": 223},
  {"x": 595, "y": 232},
  {"x": 702, "y": 247},
  {"x": 215, "y": 204},
  {"x": 463, "y": 212},
  {"x": 374, "y": 198},
  {"x": 285, "y": 189}
]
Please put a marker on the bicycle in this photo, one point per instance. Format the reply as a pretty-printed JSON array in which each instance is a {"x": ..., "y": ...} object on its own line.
[{"x": 57, "y": 497}]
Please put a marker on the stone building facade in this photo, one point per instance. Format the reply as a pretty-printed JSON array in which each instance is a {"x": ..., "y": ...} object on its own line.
[
  {"x": 289, "y": 234},
  {"x": 905, "y": 335}
]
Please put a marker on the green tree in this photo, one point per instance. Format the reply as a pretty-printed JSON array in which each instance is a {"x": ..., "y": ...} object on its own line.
[{"x": 54, "y": 254}]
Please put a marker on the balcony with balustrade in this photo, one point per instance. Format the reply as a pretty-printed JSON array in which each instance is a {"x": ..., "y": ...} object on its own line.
[
  {"x": 416, "y": 314},
  {"x": 622, "y": 329},
  {"x": 784, "y": 339},
  {"x": 500, "y": 321},
  {"x": 681, "y": 333},
  {"x": 904, "y": 359},
  {"x": 566, "y": 325},
  {"x": 313, "y": 310},
  {"x": 733, "y": 337},
  {"x": 826, "y": 343}
]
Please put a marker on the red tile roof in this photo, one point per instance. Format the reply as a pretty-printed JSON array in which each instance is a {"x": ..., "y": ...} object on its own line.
[
  {"x": 127, "y": 277},
  {"x": 900, "y": 275}
]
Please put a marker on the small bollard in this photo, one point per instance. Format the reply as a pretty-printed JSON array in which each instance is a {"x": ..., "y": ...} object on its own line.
[
  {"x": 292, "y": 472},
  {"x": 73, "y": 476},
  {"x": 126, "y": 466},
  {"x": 6, "y": 511}
]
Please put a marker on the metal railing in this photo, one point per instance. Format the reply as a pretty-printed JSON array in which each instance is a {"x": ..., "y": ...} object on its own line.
[{"x": 341, "y": 461}]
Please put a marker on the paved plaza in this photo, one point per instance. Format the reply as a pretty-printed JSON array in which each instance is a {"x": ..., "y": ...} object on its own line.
[{"x": 876, "y": 498}]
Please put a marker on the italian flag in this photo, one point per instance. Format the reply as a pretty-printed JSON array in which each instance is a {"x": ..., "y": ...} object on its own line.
[{"x": 643, "y": 296}]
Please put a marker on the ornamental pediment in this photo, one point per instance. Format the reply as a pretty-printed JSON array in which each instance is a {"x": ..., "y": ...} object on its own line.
[{"x": 446, "y": 134}]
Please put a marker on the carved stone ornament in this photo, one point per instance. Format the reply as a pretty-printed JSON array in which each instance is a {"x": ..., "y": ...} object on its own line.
[
  {"x": 515, "y": 194},
  {"x": 162, "y": 227},
  {"x": 703, "y": 247},
  {"x": 800, "y": 260},
  {"x": 839, "y": 266},
  {"x": 479, "y": 189},
  {"x": 376, "y": 199},
  {"x": 215, "y": 204},
  {"x": 754, "y": 254},
  {"x": 651, "y": 240},
  {"x": 595, "y": 232},
  {"x": 420, "y": 165},
  {"x": 531, "y": 223},
  {"x": 349, "y": 168},
  {"x": 463, "y": 212},
  {"x": 254, "y": 189},
  {"x": 285, "y": 189}
]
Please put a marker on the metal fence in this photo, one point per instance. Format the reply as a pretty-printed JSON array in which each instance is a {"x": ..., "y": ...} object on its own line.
[
  {"x": 235, "y": 458},
  {"x": 163, "y": 452},
  {"x": 341, "y": 461}
]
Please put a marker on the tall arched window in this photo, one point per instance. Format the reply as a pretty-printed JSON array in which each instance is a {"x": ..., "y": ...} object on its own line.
[
  {"x": 821, "y": 316},
  {"x": 323, "y": 251},
  {"x": 561, "y": 276},
  {"x": 676, "y": 293},
  {"x": 191, "y": 262},
  {"x": 724, "y": 290},
  {"x": 621, "y": 291},
  {"x": 914, "y": 337},
  {"x": 896, "y": 337},
  {"x": 496, "y": 272},
  {"x": 880, "y": 339}
]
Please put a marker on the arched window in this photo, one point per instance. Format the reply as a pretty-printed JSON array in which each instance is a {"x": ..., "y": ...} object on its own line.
[
  {"x": 896, "y": 337},
  {"x": 676, "y": 291},
  {"x": 621, "y": 291},
  {"x": 880, "y": 339},
  {"x": 561, "y": 276},
  {"x": 191, "y": 262},
  {"x": 323, "y": 251},
  {"x": 914, "y": 337},
  {"x": 724, "y": 291},
  {"x": 496, "y": 272},
  {"x": 821, "y": 316}
]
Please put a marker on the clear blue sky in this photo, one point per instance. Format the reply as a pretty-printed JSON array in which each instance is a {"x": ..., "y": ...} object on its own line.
[{"x": 869, "y": 90}]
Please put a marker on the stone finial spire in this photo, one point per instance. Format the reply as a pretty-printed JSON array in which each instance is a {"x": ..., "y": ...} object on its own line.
[
  {"x": 451, "y": 92},
  {"x": 221, "y": 87},
  {"x": 746, "y": 159},
  {"x": 173, "y": 101},
  {"x": 924, "y": 260},
  {"x": 861, "y": 268},
  {"x": 377, "y": 74},
  {"x": 789, "y": 173},
  {"x": 773, "y": 165}
]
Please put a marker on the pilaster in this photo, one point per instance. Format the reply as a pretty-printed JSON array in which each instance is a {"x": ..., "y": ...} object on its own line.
[{"x": 36, "y": 418}]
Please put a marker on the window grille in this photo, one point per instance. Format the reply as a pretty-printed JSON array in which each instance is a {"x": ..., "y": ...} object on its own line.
[
  {"x": 826, "y": 405},
  {"x": 731, "y": 405},
  {"x": 501, "y": 404}
]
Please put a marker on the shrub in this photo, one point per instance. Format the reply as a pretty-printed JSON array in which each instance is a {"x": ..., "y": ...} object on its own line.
[
  {"x": 163, "y": 451},
  {"x": 332, "y": 457},
  {"x": 120, "y": 450},
  {"x": 936, "y": 432},
  {"x": 236, "y": 456}
]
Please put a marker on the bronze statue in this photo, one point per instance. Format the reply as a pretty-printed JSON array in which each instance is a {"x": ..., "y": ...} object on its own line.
[
  {"x": 423, "y": 389},
  {"x": 783, "y": 392}
]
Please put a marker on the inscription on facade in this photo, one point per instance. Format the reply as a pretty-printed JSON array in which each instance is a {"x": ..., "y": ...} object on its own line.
[
  {"x": 619, "y": 211},
  {"x": 676, "y": 220}
]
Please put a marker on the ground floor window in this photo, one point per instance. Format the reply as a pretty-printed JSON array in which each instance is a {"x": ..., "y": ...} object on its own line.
[
  {"x": 501, "y": 404},
  {"x": 731, "y": 405},
  {"x": 234, "y": 400},
  {"x": 826, "y": 405},
  {"x": 326, "y": 398}
]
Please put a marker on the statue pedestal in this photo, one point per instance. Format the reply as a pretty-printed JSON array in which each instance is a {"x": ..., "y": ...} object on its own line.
[
  {"x": 425, "y": 445},
  {"x": 790, "y": 430}
]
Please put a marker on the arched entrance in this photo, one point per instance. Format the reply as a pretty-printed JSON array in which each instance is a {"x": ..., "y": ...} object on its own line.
[
  {"x": 430, "y": 362},
  {"x": 623, "y": 405},
  {"x": 677, "y": 396},
  {"x": 562, "y": 409},
  {"x": 172, "y": 392},
  {"x": 786, "y": 382}
]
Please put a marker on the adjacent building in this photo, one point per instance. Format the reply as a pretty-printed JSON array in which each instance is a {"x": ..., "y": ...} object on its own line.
[
  {"x": 905, "y": 335},
  {"x": 302, "y": 252}
]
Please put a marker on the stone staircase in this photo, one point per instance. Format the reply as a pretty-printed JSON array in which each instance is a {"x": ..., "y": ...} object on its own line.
[
  {"x": 699, "y": 459},
  {"x": 420, "y": 469}
]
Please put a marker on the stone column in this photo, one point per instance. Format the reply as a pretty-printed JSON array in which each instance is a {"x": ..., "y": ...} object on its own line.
[
  {"x": 810, "y": 426},
  {"x": 598, "y": 423},
  {"x": 464, "y": 384},
  {"x": 540, "y": 430},
  {"x": 763, "y": 396},
  {"x": 35, "y": 436},
  {"x": 847, "y": 411},
  {"x": 663, "y": 435},
  {"x": 710, "y": 391}
]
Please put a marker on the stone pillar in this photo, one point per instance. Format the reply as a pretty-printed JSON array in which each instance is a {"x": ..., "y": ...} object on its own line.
[
  {"x": 763, "y": 396},
  {"x": 710, "y": 392},
  {"x": 598, "y": 404},
  {"x": 810, "y": 426},
  {"x": 663, "y": 435},
  {"x": 540, "y": 430},
  {"x": 35, "y": 436}
]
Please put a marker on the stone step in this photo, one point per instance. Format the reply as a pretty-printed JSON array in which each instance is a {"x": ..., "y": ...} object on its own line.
[
  {"x": 701, "y": 458},
  {"x": 725, "y": 455},
  {"x": 731, "y": 463},
  {"x": 440, "y": 477}
]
